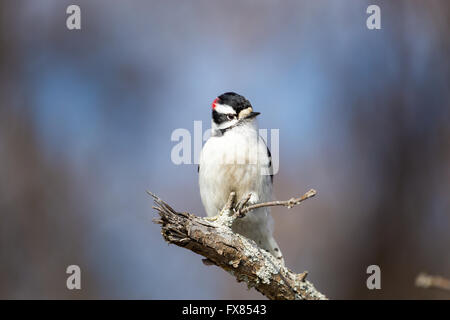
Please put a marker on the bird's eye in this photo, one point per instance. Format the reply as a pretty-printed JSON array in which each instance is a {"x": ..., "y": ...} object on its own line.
[{"x": 231, "y": 116}]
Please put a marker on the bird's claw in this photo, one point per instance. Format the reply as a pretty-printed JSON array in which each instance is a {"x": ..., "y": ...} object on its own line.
[
  {"x": 241, "y": 204},
  {"x": 216, "y": 217}
]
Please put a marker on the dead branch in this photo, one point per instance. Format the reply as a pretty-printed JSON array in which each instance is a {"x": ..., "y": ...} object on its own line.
[
  {"x": 424, "y": 280},
  {"x": 234, "y": 253}
]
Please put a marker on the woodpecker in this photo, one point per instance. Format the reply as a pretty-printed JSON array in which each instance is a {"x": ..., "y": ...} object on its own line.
[{"x": 236, "y": 159}]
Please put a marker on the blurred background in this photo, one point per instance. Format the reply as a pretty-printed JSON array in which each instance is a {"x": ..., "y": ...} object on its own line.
[{"x": 86, "y": 118}]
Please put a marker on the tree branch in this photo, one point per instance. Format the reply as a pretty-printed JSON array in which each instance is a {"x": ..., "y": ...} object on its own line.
[
  {"x": 288, "y": 203},
  {"x": 234, "y": 253}
]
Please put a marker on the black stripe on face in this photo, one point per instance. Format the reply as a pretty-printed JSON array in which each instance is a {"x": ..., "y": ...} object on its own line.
[{"x": 219, "y": 117}]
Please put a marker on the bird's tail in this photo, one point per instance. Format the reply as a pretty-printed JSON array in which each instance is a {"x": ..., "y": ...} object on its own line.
[{"x": 271, "y": 245}]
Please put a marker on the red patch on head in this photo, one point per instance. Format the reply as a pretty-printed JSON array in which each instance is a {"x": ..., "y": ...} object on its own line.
[{"x": 214, "y": 103}]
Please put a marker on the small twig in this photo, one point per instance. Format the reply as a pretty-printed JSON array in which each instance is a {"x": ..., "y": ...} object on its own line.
[
  {"x": 288, "y": 203},
  {"x": 424, "y": 280}
]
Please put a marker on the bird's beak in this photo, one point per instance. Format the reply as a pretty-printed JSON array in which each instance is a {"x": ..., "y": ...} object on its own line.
[{"x": 252, "y": 115}]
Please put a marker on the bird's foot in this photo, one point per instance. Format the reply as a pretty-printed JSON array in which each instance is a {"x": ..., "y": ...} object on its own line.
[
  {"x": 216, "y": 217},
  {"x": 249, "y": 199},
  {"x": 241, "y": 203},
  {"x": 228, "y": 206}
]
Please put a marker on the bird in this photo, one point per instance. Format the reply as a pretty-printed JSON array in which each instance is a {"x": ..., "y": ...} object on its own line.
[{"x": 236, "y": 159}]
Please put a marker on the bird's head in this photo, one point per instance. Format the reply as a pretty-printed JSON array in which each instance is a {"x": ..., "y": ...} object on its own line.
[{"x": 231, "y": 109}]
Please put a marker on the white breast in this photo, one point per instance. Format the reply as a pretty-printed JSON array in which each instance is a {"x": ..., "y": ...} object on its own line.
[{"x": 236, "y": 161}]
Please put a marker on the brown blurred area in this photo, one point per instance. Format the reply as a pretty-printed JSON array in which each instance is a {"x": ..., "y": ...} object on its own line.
[
  {"x": 39, "y": 221},
  {"x": 381, "y": 166},
  {"x": 39, "y": 200}
]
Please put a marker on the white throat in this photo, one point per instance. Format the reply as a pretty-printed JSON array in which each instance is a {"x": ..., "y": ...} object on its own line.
[{"x": 234, "y": 126}]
